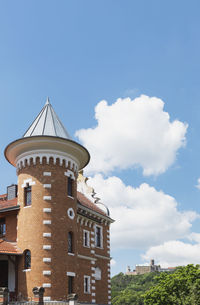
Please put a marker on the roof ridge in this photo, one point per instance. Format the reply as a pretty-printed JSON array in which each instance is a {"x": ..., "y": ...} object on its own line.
[{"x": 94, "y": 207}]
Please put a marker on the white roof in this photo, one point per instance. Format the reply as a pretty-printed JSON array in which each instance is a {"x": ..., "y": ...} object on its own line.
[{"x": 47, "y": 123}]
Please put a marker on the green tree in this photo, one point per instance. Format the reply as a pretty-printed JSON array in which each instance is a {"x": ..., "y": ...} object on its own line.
[
  {"x": 129, "y": 289},
  {"x": 179, "y": 288}
]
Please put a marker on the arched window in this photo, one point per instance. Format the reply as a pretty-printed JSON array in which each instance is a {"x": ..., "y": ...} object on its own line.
[
  {"x": 27, "y": 259},
  {"x": 70, "y": 242}
]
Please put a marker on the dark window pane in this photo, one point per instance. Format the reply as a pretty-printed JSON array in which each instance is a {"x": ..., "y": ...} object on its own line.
[
  {"x": 70, "y": 187},
  {"x": 2, "y": 227},
  {"x": 70, "y": 242},
  {"x": 98, "y": 237},
  {"x": 86, "y": 239},
  {"x": 27, "y": 259},
  {"x": 27, "y": 195},
  {"x": 86, "y": 284},
  {"x": 70, "y": 284}
]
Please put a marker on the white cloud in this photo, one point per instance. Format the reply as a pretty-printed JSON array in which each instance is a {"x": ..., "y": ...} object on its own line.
[
  {"x": 194, "y": 237},
  {"x": 112, "y": 262},
  {"x": 174, "y": 253},
  {"x": 144, "y": 216},
  {"x": 198, "y": 183},
  {"x": 132, "y": 133}
]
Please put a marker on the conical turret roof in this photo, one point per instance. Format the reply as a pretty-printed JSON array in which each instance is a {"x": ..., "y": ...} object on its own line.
[
  {"x": 47, "y": 123},
  {"x": 47, "y": 137}
]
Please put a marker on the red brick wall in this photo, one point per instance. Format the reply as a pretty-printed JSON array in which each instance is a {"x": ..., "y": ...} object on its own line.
[
  {"x": 31, "y": 229},
  {"x": 11, "y": 225},
  {"x": 30, "y": 236},
  {"x": 91, "y": 261}
]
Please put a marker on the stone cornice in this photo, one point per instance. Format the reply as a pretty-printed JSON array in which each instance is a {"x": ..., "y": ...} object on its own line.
[
  {"x": 89, "y": 213},
  {"x": 60, "y": 146}
]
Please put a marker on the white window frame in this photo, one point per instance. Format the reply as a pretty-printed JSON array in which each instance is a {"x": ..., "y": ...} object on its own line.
[
  {"x": 101, "y": 236},
  {"x": 70, "y": 213},
  {"x": 88, "y": 238},
  {"x": 89, "y": 282}
]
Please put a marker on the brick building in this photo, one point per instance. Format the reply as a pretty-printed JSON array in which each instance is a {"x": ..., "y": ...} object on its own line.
[{"x": 52, "y": 232}]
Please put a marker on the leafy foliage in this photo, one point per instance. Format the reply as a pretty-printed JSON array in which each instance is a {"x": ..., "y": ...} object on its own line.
[
  {"x": 129, "y": 289},
  {"x": 181, "y": 287}
]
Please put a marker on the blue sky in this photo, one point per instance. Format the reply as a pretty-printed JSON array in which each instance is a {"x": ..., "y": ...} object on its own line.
[{"x": 82, "y": 52}]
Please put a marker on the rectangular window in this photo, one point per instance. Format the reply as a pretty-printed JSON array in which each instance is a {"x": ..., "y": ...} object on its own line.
[
  {"x": 2, "y": 227},
  {"x": 70, "y": 242},
  {"x": 27, "y": 259},
  {"x": 70, "y": 284},
  {"x": 86, "y": 284},
  {"x": 86, "y": 238},
  {"x": 98, "y": 237},
  {"x": 27, "y": 195},
  {"x": 70, "y": 187}
]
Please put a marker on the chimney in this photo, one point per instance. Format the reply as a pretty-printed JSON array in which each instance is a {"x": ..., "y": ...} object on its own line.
[{"x": 11, "y": 191}]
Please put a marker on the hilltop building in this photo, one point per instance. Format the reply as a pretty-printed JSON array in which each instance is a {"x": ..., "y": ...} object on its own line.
[
  {"x": 52, "y": 233},
  {"x": 142, "y": 269},
  {"x": 147, "y": 268}
]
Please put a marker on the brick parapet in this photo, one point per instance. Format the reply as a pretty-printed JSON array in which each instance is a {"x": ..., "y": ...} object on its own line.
[{"x": 38, "y": 158}]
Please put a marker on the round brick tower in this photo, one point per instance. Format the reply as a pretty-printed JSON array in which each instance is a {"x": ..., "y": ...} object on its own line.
[{"x": 47, "y": 163}]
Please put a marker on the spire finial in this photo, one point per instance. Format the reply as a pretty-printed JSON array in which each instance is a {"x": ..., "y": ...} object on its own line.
[{"x": 47, "y": 101}]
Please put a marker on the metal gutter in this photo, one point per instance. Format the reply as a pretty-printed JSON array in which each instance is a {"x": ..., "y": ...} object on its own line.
[{"x": 17, "y": 207}]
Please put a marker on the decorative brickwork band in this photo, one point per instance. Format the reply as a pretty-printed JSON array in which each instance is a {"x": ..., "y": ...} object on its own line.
[{"x": 45, "y": 156}]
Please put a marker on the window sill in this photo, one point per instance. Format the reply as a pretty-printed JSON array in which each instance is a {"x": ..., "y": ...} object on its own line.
[
  {"x": 27, "y": 206},
  {"x": 86, "y": 246},
  {"x": 87, "y": 292},
  {"x": 26, "y": 270},
  {"x": 69, "y": 253},
  {"x": 99, "y": 247},
  {"x": 70, "y": 197}
]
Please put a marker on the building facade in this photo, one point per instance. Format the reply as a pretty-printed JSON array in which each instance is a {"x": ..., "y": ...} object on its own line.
[
  {"x": 142, "y": 269},
  {"x": 52, "y": 234}
]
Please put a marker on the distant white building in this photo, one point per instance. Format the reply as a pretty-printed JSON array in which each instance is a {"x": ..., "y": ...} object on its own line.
[{"x": 147, "y": 268}]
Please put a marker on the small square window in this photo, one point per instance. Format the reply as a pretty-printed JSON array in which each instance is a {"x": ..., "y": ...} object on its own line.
[
  {"x": 86, "y": 238},
  {"x": 86, "y": 284}
]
